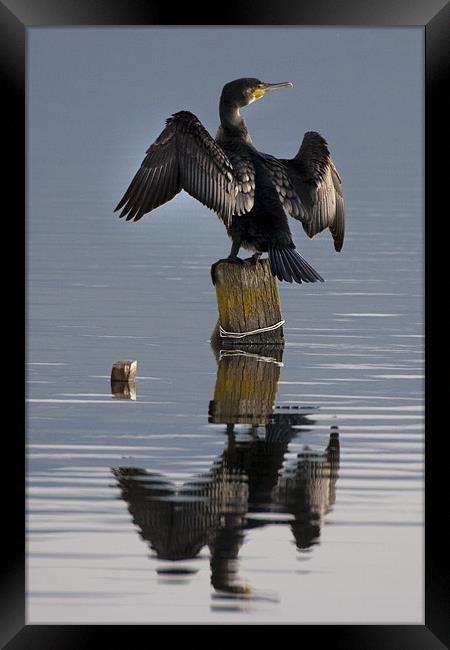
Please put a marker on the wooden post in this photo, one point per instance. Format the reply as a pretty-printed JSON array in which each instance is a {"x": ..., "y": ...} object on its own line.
[
  {"x": 123, "y": 375},
  {"x": 247, "y": 300},
  {"x": 124, "y": 371}
]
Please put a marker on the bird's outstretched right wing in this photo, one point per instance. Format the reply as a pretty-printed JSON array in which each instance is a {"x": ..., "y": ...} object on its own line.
[{"x": 184, "y": 156}]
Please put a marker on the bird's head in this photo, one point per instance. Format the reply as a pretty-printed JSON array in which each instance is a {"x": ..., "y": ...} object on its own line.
[{"x": 242, "y": 92}]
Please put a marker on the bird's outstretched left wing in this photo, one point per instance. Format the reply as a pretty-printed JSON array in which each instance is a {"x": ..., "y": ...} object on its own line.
[
  {"x": 184, "y": 156},
  {"x": 318, "y": 185}
]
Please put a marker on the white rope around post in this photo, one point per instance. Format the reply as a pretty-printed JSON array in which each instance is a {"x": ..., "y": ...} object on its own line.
[{"x": 240, "y": 335}]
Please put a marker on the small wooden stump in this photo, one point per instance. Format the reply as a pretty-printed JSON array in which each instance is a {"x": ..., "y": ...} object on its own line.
[
  {"x": 246, "y": 386},
  {"x": 123, "y": 375},
  {"x": 124, "y": 371},
  {"x": 247, "y": 300}
]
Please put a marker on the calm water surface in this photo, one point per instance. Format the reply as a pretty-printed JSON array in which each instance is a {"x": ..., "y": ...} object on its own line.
[{"x": 301, "y": 503}]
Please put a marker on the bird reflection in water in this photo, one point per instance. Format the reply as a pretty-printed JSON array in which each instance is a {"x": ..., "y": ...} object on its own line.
[{"x": 248, "y": 485}]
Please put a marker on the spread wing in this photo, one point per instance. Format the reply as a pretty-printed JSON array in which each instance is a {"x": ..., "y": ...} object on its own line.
[
  {"x": 318, "y": 185},
  {"x": 184, "y": 156}
]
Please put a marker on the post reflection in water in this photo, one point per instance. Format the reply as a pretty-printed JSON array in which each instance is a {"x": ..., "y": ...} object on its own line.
[
  {"x": 248, "y": 485},
  {"x": 123, "y": 390}
]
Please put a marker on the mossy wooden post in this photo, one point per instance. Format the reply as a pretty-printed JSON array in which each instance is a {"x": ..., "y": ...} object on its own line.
[{"x": 247, "y": 300}]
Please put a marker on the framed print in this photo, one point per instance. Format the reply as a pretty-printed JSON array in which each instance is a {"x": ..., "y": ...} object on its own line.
[{"x": 216, "y": 437}]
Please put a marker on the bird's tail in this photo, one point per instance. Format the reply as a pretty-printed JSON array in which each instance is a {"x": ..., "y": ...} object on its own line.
[{"x": 286, "y": 264}]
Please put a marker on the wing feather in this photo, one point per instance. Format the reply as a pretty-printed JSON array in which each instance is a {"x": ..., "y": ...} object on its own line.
[
  {"x": 245, "y": 179},
  {"x": 318, "y": 185},
  {"x": 282, "y": 182}
]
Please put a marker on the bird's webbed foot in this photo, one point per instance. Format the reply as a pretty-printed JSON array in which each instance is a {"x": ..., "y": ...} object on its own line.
[
  {"x": 231, "y": 259},
  {"x": 254, "y": 259}
]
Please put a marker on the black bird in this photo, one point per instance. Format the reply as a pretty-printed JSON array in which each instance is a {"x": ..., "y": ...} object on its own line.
[{"x": 250, "y": 191}]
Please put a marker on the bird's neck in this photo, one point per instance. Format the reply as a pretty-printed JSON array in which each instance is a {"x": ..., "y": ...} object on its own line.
[{"x": 231, "y": 121}]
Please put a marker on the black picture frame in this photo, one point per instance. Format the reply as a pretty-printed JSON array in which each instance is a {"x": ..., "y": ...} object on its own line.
[{"x": 16, "y": 16}]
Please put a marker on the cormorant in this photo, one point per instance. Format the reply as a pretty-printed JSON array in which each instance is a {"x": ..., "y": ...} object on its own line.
[{"x": 250, "y": 191}]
